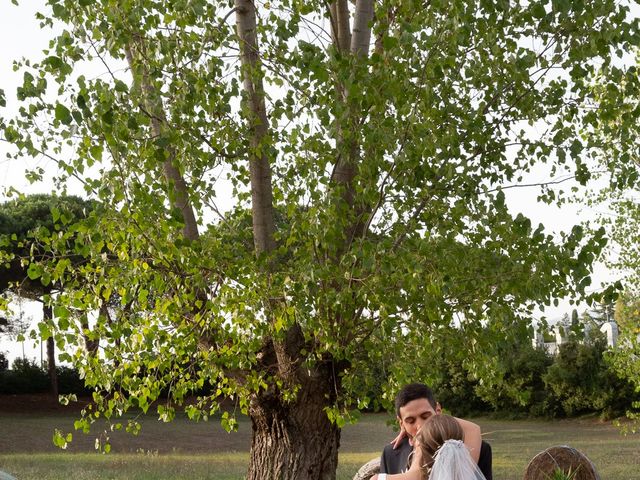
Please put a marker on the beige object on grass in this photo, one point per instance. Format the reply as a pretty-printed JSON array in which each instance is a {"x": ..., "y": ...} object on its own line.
[
  {"x": 368, "y": 470},
  {"x": 573, "y": 463}
]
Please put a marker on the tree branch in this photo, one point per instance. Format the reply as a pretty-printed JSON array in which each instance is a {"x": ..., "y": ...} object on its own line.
[
  {"x": 176, "y": 182},
  {"x": 362, "y": 23},
  {"x": 340, "y": 28},
  {"x": 259, "y": 167}
]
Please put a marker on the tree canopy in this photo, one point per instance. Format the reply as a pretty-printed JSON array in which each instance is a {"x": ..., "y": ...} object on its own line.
[{"x": 370, "y": 144}]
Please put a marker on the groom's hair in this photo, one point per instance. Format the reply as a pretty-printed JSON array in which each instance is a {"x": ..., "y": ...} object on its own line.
[{"x": 414, "y": 391}]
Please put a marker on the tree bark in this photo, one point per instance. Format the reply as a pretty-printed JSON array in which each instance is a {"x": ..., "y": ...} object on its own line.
[
  {"x": 92, "y": 346},
  {"x": 361, "y": 37},
  {"x": 295, "y": 441},
  {"x": 259, "y": 167},
  {"x": 292, "y": 439},
  {"x": 47, "y": 314},
  {"x": 340, "y": 28}
]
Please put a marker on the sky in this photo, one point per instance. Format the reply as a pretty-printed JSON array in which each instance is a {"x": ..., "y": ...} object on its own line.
[{"x": 21, "y": 37}]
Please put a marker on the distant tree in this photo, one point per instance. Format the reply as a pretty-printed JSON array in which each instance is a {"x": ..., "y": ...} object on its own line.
[
  {"x": 581, "y": 381},
  {"x": 627, "y": 315},
  {"x": 26, "y": 224},
  {"x": 4, "y": 361},
  {"x": 602, "y": 312},
  {"x": 617, "y": 128},
  {"x": 523, "y": 390},
  {"x": 575, "y": 319},
  {"x": 456, "y": 387},
  {"x": 625, "y": 356}
]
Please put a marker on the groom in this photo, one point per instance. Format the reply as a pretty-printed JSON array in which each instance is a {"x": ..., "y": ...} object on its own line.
[{"x": 415, "y": 403}]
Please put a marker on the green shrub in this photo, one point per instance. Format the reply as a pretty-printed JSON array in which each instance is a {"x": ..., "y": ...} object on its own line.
[
  {"x": 456, "y": 390},
  {"x": 69, "y": 381},
  {"x": 581, "y": 381},
  {"x": 578, "y": 380},
  {"x": 25, "y": 376},
  {"x": 521, "y": 391}
]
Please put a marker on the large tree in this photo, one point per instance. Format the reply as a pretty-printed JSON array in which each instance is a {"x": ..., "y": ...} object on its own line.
[{"x": 293, "y": 196}]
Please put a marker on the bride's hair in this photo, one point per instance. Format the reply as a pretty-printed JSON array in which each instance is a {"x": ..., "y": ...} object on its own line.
[
  {"x": 433, "y": 434},
  {"x": 444, "y": 454}
]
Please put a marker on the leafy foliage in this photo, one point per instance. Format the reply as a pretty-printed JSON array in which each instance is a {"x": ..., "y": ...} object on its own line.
[
  {"x": 23, "y": 216},
  {"x": 25, "y": 376},
  {"x": 581, "y": 382},
  {"x": 624, "y": 358},
  {"x": 523, "y": 391},
  {"x": 27, "y": 226},
  {"x": 580, "y": 379}
]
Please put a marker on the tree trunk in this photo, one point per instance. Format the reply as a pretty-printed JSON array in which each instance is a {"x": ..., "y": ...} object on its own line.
[
  {"x": 259, "y": 167},
  {"x": 47, "y": 314},
  {"x": 340, "y": 28},
  {"x": 294, "y": 441},
  {"x": 92, "y": 346},
  {"x": 361, "y": 37},
  {"x": 345, "y": 169}
]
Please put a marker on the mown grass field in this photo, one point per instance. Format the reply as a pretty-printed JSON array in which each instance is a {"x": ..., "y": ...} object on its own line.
[{"x": 187, "y": 450}]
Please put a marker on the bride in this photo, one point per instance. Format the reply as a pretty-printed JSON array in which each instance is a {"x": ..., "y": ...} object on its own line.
[{"x": 439, "y": 454}]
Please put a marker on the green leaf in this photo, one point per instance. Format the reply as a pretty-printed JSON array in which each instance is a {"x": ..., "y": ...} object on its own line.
[
  {"x": 538, "y": 10},
  {"x": 228, "y": 422},
  {"x": 121, "y": 86},
  {"x": 63, "y": 114},
  {"x": 107, "y": 117},
  {"x": 389, "y": 42},
  {"x": 53, "y": 61},
  {"x": 96, "y": 152},
  {"x": 60, "y": 440},
  {"x": 34, "y": 271}
]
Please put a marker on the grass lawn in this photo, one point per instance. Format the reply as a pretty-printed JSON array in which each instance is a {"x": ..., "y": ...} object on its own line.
[{"x": 186, "y": 450}]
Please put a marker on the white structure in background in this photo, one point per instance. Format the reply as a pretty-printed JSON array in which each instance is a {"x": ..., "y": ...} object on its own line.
[
  {"x": 610, "y": 329},
  {"x": 551, "y": 347},
  {"x": 561, "y": 329}
]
